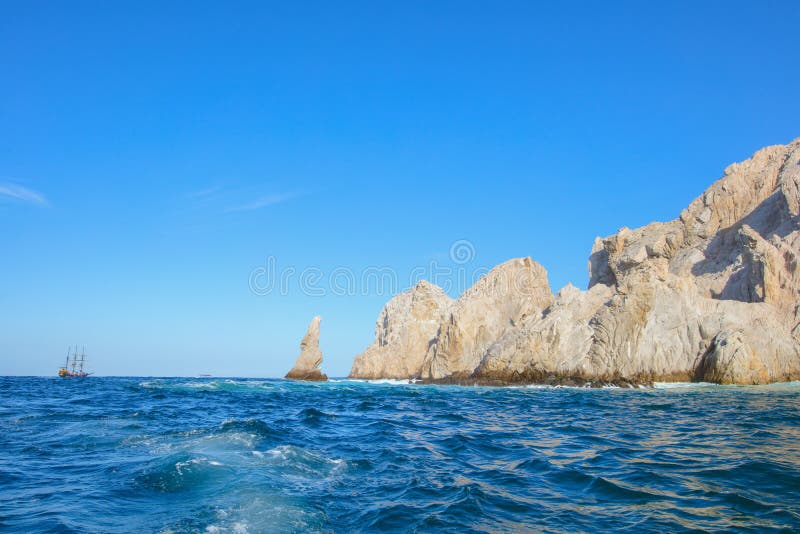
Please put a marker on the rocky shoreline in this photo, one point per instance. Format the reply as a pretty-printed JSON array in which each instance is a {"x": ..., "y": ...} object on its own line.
[
  {"x": 555, "y": 380},
  {"x": 711, "y": 296}
]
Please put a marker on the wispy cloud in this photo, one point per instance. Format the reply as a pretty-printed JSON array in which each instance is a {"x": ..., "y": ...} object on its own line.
[
  {"x": 204, "y": 193},
  {"x": 263, "y": 202},
  {"x": 22, "y": 194},
  {"x": 233, "y": 200}
]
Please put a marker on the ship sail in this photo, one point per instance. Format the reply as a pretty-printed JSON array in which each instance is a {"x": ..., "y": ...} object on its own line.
[{"x": 76, "y": 366}]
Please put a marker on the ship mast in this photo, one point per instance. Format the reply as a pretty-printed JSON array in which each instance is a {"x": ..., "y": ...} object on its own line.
[{"x": 75, "y": 365}]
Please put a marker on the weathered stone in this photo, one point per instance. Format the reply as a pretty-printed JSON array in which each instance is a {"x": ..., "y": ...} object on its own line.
[
  {"x": 712, "y": 295},
  {"x": 727, "y": 264},
  {"x": 747, "y": 357},
  {"x": 553, "y": 344},
  {"x": 406, "y": 328},
  {"x": 307, "y": 365},
  {"x": 503, "y": 298}
]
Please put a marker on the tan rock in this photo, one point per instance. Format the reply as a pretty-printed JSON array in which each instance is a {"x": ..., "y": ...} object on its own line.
[
  {"x": 712, "y": 295},
  {"x": 503, "y": 298},
  {"x": 406, "y": 328},
  {"x": 661, "y": 331},
  {"x": 748, "y": 357},
  {"x": 553, "y": 344},
  {"x": 307, "y": 365},
  {"x": 681, "y": 283}
]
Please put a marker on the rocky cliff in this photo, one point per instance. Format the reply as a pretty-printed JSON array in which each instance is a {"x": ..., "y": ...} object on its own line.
[
  {"x": 713, "y": 295},
  {"x": 503, "y": 298},
  {"x": 307, "y": 365},
  {"x": 406, "y": 329}
]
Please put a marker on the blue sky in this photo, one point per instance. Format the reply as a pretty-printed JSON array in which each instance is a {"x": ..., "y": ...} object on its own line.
[{"x": 155, "y": 155}]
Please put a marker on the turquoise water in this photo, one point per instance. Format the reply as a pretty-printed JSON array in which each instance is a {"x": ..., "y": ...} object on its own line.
[{"x": 236, "y": 455}]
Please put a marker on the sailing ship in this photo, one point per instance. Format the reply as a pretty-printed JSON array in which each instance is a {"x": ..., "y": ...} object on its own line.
[{"x": 75, "y": 367}]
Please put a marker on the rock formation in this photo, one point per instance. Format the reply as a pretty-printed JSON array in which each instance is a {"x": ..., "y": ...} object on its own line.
[
  {"x": 404, "y": 332},
  {"x": 500, "y": 300},
  {"x": 713, "y": 295},
  {"x": 307, "y": 365}
]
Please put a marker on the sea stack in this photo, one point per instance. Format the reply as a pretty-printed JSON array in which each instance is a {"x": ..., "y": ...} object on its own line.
[{"x": 307, "y": 365}]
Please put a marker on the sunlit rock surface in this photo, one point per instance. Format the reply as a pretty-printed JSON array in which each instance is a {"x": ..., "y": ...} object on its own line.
[
  {"x": 713, "y": 295},
  {"x": 307, "y": 365}
]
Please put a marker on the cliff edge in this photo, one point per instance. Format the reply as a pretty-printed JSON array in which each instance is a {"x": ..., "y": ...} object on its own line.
[{"x": 713, "y": 295}]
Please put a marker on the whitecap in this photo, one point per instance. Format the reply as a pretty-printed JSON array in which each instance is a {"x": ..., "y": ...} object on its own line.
[
  {"x": 388, "y": 381},
  {"x": 300, "y": 458},
  {"x": 680, "y": 385}
]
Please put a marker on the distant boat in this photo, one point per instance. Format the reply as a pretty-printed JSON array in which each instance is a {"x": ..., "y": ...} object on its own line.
[{"x": 74, "y": 368}]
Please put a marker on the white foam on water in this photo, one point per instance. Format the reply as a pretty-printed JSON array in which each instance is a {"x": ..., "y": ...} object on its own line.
[
  {"x": 262, "y": 513},
  {"x": 239, "y": 527},
  {"x": 205, "y": 384},
  {"x": 688, "y": 385},
  {"x": 281, "y": 451},
  {"x": 680, "y": 385},
  {"x": 389, "y": 381},
  {"x": 547, "y": 386},
  {"x": 300, "y": 456},
  {"x": 180, "y": 466}
]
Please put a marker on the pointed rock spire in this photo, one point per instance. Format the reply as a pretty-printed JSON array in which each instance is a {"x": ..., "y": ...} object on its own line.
[{"x": 307, "y": 365}]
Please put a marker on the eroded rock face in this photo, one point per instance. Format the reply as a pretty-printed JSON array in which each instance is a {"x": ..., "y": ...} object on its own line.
[
  {"x": 745, "y": 357},
  {"x": 307, "y": 365},
  {"x": 404, "y": 332},
  {"x": 713, "y": 295},
  {"x": 503, "y": 298},
  {"x": 555, "y": 344},
  {"x": 737, "y": 241},
  {"x": 726, "y": 269}
]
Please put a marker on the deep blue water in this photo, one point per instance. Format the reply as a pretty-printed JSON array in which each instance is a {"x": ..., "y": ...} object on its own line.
[{"x": 216, "y": 455}]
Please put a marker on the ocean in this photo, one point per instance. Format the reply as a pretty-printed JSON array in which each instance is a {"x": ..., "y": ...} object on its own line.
[{"x": 214, "y": 455}]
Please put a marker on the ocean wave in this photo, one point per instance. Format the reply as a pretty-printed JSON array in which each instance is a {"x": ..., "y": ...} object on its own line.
[
  {"x": 252, "y": 427},
  {"x": 160, "y": 455},
  {"x": 381, "y": 381},
  {"x": 301, "y": 460},
  {"x": 227, "y": 384},
  {"x": 179, "y": 472},
  {"x": 254, "y": 514},
  {"x": 682, "y": 385}
]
